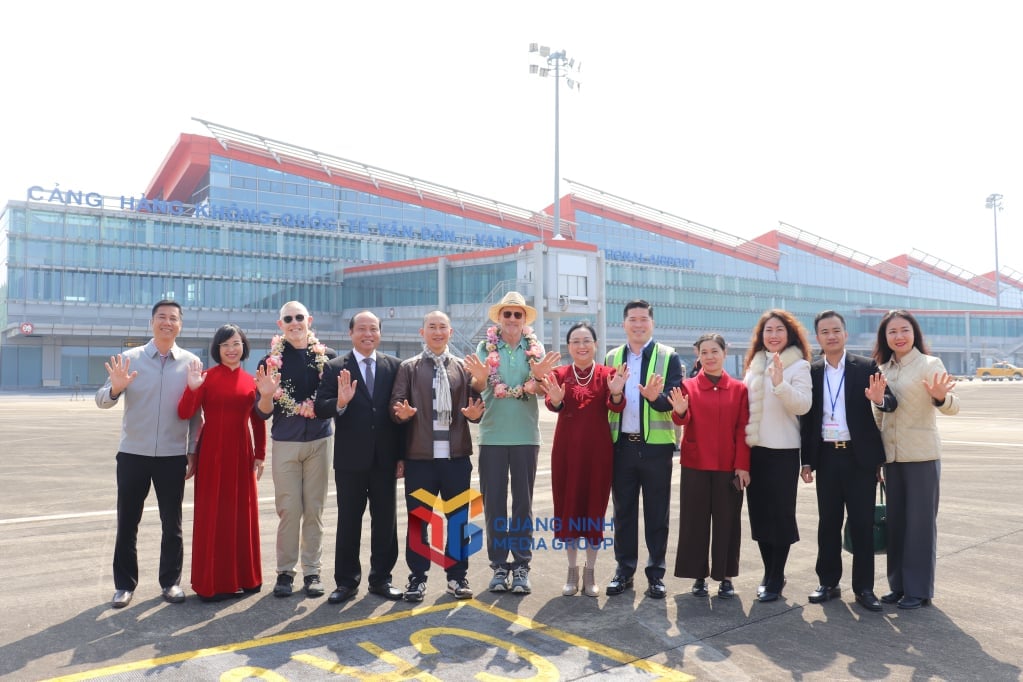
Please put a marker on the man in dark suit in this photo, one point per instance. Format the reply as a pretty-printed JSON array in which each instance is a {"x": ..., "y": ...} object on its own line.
[
  {"x": 841, "y": 442},
  {"x": 356, "y": 390}
]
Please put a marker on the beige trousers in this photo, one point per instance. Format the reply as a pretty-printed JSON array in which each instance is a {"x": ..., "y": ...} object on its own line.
[{"x": 300, "y": 472}]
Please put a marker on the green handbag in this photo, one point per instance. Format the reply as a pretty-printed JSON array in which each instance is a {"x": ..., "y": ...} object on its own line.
[{"x": 880, "y": 528}]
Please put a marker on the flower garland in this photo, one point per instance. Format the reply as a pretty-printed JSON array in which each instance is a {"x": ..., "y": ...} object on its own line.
[
  {"x": 501, "y": 388},
  {"x": 283, "y": 396}
]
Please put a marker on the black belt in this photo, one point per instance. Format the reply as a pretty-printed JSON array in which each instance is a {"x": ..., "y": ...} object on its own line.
[
  {"x": 633, "y": 437},
  {"x": 838, "y": 444}
]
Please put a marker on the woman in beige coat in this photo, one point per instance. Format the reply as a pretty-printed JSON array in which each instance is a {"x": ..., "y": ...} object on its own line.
[{"x": 913, "y": 455}]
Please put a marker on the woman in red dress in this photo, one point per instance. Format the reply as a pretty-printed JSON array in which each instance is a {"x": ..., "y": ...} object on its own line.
[
  {"x": 582, "y": 457},
  {"x": 225, "y": 529}
]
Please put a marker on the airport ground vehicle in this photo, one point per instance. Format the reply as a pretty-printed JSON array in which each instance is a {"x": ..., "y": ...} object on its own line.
[{"x": 999, "y": 371}]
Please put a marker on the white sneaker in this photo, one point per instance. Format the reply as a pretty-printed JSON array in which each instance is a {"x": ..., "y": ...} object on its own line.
[
  {"x": 415, "y": 589},
  {"x": 460, "y": 589}
]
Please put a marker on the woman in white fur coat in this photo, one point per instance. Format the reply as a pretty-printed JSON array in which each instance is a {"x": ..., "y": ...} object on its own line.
[{"x": 780, "y": 390}]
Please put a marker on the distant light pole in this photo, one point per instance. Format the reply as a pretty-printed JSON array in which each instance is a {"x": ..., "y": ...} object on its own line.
[
  {"x": 994, "y": 202},
  {"x": 560, "y": 66}
]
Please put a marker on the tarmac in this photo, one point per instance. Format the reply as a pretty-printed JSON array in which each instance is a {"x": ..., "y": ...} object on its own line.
[{"x": 57, "y": 523}]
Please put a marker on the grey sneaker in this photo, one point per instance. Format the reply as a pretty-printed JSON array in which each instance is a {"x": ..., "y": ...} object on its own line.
[
  {"x": 499, "y": 583},
  {"x": 283, "y": 588},
  {"x": 415, "y": 589},
  {"x": 520, "y": 581},
  {"x": 460, "y": 589},
  {"x": 313, "y": 587}
]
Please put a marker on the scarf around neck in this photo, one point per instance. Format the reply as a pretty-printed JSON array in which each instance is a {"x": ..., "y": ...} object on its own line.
[{"x": 443, "y": 384}]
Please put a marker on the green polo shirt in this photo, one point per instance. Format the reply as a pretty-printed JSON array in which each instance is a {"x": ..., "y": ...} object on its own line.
[{"x": 509, "y": 421}]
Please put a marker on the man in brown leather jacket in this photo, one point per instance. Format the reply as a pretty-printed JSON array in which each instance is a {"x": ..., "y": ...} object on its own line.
[{"x": 433, "y": 392}]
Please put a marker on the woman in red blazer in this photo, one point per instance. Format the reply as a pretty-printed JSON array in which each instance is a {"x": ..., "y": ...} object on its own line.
[{"x": 713, "y": 408}]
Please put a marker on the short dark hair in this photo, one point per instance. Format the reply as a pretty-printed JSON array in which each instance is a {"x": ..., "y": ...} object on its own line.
[
  {"x": 716, "y": 338},
  {"x": 583, "y": 324},
  {"x": 825, "y": 314},
  {"x": 164, "y": 302},
  {"x": 351, "y": 322},
  {"x": 638, "y": 303},
  {"x": 222, "y": 335},
  {"x": 882, "y": 352}
]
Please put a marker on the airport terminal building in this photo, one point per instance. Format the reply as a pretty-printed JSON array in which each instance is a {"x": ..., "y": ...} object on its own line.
[{"x": 233, "y": 225}]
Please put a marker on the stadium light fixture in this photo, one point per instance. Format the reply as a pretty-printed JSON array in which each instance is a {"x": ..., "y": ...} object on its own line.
[{"x": 559, "y": 66}]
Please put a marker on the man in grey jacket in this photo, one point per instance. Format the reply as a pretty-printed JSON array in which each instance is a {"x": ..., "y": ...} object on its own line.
[{"x": 156, "y": 448}]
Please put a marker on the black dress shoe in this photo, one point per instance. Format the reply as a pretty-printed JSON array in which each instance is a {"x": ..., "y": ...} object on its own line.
[
  {"x": 891, "y": 598},
  {"x": 699, "y": 588},
  {"x": 766, "y": 596},
  {"x": 913, "y": 602},
  {"x": 656, "y": 589},
  {"x": 824, "y": 593},
  {"x": 762, "y": 587},
  {"x": 868, "y": 600},
  {"x": 619, "y": 584},
  {"x": 386, "y": 590},
  {"x": 342, "y": 593}
]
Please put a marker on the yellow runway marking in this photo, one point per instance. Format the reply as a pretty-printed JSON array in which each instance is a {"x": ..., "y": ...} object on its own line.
[{"x": 663, "y": 672}]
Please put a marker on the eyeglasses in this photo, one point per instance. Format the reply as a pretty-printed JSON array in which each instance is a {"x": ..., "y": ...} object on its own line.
[
  {"x": 508, "y": 314},
  {"x": 288, "y": 318}
]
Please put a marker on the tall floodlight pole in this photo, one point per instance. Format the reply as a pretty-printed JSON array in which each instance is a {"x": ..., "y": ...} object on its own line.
[
  {"x": 994, "y": 202},
  {"x": 559, "y": 66}
]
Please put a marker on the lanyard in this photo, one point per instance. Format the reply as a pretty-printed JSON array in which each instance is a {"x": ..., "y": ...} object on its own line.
[{"x": 833, "y": 397}]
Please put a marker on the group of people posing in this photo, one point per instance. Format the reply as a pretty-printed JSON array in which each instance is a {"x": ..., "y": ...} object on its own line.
[{"x": 847, "y": 420}]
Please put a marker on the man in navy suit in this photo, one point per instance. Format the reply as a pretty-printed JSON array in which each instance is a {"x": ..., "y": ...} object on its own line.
[
  {"x": 356, "y": 390},
  {"x": 841, "y": 442}
]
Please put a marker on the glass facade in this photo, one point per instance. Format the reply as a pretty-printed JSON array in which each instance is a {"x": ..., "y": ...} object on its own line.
[
  {"x": 466, "y": 285},
  {"x": 255, "y": 236},
  {"x": 421, "y": 231},
  {"x": 57, "y": 255}
]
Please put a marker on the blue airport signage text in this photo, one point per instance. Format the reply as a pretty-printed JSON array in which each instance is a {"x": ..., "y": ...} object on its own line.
[
  {"x": 314, "y": 221},
  {"x": 649, "y": 258}
]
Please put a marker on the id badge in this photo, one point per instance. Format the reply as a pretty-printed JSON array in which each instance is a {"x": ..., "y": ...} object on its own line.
[{"x": 830, "y": 431}]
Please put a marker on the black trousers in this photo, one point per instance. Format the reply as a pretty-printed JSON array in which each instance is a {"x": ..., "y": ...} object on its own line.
[
  {"x": 446, "y": 478},
  {"x": 641, "y": 469},
  {"x": 135, "y": 473},
  {"x": 843, "y": 487},
  {"x": 771, "y": 500},
  {"x": 355, "y": 489}
]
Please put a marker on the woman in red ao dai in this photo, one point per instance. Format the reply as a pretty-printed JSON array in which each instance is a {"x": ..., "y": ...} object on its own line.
[{"x": 582, "y": 457}]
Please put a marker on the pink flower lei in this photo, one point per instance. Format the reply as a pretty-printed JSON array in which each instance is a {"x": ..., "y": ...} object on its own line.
[
  {"x": 534, "y": 352},
  {"x": 283, "y": 396}
]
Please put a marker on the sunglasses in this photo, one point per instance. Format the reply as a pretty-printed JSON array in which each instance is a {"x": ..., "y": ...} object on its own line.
[
  {"x": 508, "y": 314},
  {"x": 288, "y": 318}
]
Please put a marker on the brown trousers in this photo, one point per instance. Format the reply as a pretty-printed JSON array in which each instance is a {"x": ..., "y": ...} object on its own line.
[{"x": 710, "y": 523}]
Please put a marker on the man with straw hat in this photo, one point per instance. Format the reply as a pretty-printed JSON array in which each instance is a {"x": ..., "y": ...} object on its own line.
[{"x": 507, "y": 370}]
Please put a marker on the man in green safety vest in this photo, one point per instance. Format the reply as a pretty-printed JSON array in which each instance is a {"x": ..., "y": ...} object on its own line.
[{"x": 644, "y": 439}]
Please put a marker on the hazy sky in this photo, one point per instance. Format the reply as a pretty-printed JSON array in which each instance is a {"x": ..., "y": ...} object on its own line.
[{"x": 882, "y": 126}]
